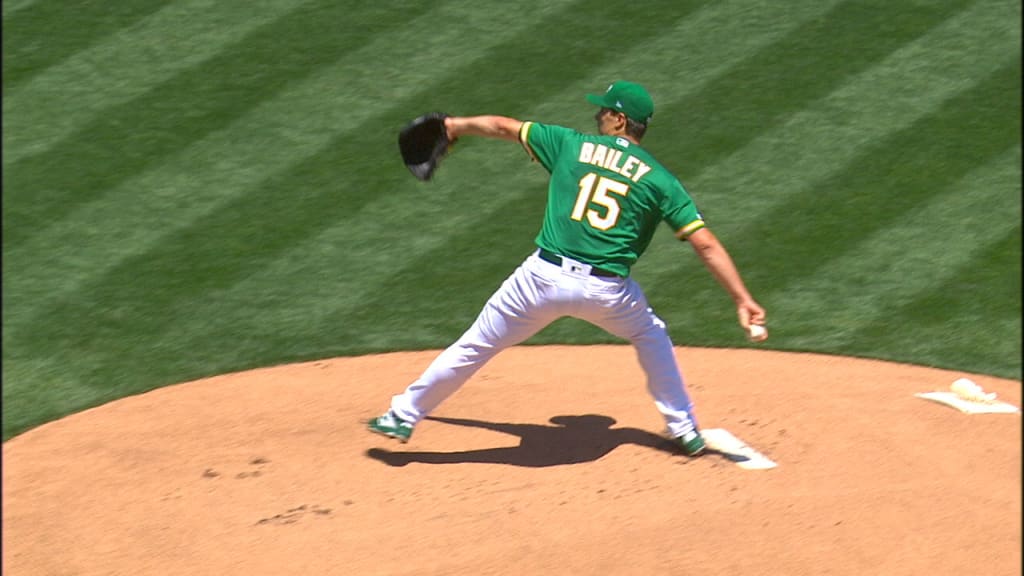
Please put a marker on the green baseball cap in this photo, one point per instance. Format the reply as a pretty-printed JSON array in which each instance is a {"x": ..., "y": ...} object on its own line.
[{"x": 627, "y": 97}]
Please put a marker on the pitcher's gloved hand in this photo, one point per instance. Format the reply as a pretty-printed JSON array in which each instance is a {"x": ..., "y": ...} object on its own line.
[{"x": 423, "y": 143}]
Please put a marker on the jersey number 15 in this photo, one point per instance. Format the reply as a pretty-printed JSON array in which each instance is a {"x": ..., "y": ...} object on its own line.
[{"x": 596, "y": 189}]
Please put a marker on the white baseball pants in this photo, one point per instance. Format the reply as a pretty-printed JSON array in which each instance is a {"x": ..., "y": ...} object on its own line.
[{"x": 534, "y": 296}]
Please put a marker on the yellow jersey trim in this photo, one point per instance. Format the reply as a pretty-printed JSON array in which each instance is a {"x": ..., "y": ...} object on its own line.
[
  {"x": 690, "y": 228},
  {"x": 524, "y": 135}
]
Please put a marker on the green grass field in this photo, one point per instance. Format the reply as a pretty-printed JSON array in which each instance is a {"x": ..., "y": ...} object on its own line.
[{"x": 196, "y": 187}]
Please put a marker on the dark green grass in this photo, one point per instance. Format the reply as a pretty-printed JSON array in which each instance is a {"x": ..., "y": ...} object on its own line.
[
  {"x": 769, "y": 87},
  {"x": 45, "y": 33},
  {"x": 887, "y": 183},
  {"x": 891, "y": 179},
  {"x": 128, "y": 138},
  {"x": 957, "y": 316},
  {"x": 177, "y": 311}
]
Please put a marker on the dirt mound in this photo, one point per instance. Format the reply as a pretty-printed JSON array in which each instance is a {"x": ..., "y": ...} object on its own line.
[{"x": 550, "y": 460}]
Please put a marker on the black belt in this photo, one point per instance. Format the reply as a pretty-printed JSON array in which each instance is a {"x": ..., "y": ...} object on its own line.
[{"x": 557, "y": 260}]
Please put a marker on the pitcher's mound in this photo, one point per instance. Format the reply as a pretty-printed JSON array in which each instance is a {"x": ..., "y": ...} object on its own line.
[{"x": 549, "y": 461}]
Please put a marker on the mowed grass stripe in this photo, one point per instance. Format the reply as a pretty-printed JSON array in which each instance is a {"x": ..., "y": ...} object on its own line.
[
  {"x": 307, "y": 119},
  {"x": 970, "y": 322},
  {"x": 485, "y": 189},
  {"x": 558, "y": 52},
  {"x": 41, "y": 34},
  {"x": 813, "y": 60},
  {"x": 39, "y": 390},
  {"x": 738, "y": 193},
  {"x": 9, "y": 7},
  {"x": 700, "y": 49},
  {"x": 886, "y": 182},
  {"x": 125, "y": 65},
  {"x": 133, "y": 136},
  {"x": 937, "y": 242}
]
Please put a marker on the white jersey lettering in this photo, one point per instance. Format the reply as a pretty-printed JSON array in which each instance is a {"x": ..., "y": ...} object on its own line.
[
  {"x": 627, "y": 168},
  {"x": 586, "y": 152},
  {"x": 640, "y": 171},
  {"x": 612, "y": 159}
]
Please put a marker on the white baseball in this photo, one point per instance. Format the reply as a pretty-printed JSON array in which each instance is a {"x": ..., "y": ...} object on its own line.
[{"x": 757, "y": 333}]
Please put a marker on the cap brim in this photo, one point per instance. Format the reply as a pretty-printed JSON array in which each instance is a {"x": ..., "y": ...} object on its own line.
[{"x": 596, "y": 100}]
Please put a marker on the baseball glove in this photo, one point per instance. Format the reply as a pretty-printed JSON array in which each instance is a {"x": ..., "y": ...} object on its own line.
[{"x": 423, "y": 143}]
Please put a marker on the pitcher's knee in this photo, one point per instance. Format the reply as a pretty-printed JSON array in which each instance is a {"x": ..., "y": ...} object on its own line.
[{"x": 653, "y": 332}]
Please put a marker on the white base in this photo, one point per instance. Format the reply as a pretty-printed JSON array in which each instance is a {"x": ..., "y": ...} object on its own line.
[
  {"x": 723, "y": 442},
  {"x": 968, "y": 406}
]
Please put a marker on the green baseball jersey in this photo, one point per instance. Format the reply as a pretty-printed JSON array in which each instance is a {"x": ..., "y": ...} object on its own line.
[{"x": 606, "y": 197}]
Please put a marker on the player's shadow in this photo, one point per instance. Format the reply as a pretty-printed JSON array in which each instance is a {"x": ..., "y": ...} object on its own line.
[{"x": 572, "y": 440}]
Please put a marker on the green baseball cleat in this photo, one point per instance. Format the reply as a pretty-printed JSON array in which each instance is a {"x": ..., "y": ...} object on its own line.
[
  {"x": 692, "y": 443},
  {"x": 391, "y": 426}
]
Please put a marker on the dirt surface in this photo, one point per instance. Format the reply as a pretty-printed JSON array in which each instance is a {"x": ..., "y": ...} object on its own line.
[{"x": 549, "y": 461}]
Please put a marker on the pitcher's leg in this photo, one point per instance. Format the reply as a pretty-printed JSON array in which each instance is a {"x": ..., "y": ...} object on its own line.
[
  {"x": 625, "y": 314},
  {"x": 445, "y": 375},
  {"x": 514, "y": 313},
  {"x": 664, "y": 380}
]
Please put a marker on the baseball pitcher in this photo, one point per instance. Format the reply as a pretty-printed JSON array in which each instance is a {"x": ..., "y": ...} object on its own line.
[{"x": 606, "y": 196}]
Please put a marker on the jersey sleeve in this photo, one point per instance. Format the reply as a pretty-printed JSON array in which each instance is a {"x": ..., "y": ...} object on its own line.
[
  {"x": 680, "y": 212},
  {"x": 543, "y": 141}
]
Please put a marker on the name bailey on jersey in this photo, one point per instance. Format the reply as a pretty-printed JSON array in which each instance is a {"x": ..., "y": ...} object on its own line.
[{"x": 610, "y": 158}]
